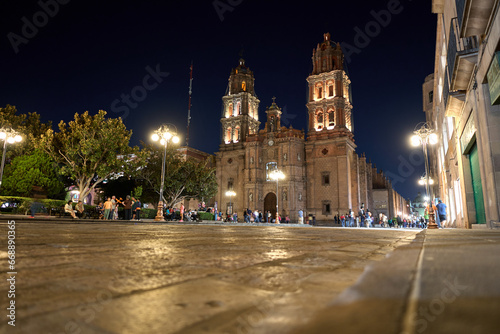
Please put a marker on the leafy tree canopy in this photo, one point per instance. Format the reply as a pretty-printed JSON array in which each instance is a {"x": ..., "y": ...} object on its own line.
[
  {"x": 26, "y": 172},
  {"x": 28, "y": 125},
  {"x": 92, "y": 148},
  {"x": 184, "y": 179}
]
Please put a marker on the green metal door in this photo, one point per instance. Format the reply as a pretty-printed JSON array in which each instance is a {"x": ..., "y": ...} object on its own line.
[{"x": 477, "y": 187}]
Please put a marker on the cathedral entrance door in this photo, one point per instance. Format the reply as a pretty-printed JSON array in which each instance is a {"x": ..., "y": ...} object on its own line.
[{"x": 270, "y": 204}]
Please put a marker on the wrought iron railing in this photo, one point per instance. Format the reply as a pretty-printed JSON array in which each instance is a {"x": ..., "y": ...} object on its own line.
[
  {"x": 460, "y": 11},
  {"x": 446, "y": 90},
  {"x": 458, "y": 46}
]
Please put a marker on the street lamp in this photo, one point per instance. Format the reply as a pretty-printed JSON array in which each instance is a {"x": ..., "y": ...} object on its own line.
[
  {"x": 164, "y": 134},
  {"x": 277, "y": 175},
  {"x": 424, "y": 136},
  {"x": 8, "y": 136},
  {"x": 230, "y": 194},
  {"x": 423, "y": 181}
]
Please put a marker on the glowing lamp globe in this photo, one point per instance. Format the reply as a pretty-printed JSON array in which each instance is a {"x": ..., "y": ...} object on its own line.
[
  {"x": 415, "y": 140},
  {"x": 433, "y": 138}
]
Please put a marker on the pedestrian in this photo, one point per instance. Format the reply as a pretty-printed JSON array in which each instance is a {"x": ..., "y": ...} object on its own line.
[
  {"x": 287, "y": 219},
  {"x": 80, "y": 209},
  {"x": 441, "y": 209},
  {"x": 182, "y": 213},
  {"x": 127, "y": 208},
  {"x": 246, "y": 219},
  {"x": 342, "y": 220},
  {"x": 108, "y": 208},
  {"x": 114, "y": 208},
  {"x": 136, "y": 208},
  {"x": 301, "y": 216},
  {"x": 314, "y": 220},
  {"x": 68, "y": 208},
  {"x": 100, "y": 210},
  {"x": 268, "y": 217},
  {"x": 256, "y": 216}
]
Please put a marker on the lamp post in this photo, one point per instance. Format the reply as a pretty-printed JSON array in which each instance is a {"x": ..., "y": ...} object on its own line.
[
  {"x": 8, "y": 136},
  {"x": 424, "y": 136},
  {"x": 230, "y": 194},
  {"x": 277, "y": 175},
  {"x": 164, "y": 134}
]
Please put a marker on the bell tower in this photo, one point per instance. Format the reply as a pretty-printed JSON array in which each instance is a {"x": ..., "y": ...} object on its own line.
[
  {"x": 329, "y": 104},
  {"x": 273, "y": 123},
  {"x": 240, "y": 116},
  {"x": 332, "y": 170}
]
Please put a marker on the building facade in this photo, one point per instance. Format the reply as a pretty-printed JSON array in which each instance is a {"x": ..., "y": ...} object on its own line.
[
  {"x": 465, "y": 110},
  {"x": 324, "y": 176}
]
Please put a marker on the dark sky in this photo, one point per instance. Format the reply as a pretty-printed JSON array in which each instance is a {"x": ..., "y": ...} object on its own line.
[{"x": 86, "y": 55}]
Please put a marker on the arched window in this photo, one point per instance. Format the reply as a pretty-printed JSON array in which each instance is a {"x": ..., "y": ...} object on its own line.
[
  {"x": 270, "y": 167},
  {"x": 244, "y": 86},
  {"x": 229, "y": 111},
  {"x": 228, "y": 135},
  {"x": 331, "y": 119},
  {"x": 238, "y": 109},
  {"x": 236, "y": 137},
  {"x": 319, "y": 121}
]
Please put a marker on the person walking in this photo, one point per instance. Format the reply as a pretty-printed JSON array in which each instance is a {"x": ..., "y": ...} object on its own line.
[
  {"x": 108, "y": 209},
  {"x": 342, "y": 220},
  {"x": 114, "y": 208},
  {"x": 127, "y": 207},
  {"x": 182, "y": 213},
  {"x": 441, "y": 209},
  {"x": 136, "y": 208}
]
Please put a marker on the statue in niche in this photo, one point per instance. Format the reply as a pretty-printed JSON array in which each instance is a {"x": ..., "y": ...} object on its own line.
[
  {"x": 271, "y": 124},
  {"x": 284, "y": 196},
  {"x": 300, "y": 196},
  {"x": 285, "y": 157},
  {"x": 250, "y": 197}
]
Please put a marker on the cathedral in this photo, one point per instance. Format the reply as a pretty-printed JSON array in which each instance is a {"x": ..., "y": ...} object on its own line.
[{"x": 323, "y": 175}]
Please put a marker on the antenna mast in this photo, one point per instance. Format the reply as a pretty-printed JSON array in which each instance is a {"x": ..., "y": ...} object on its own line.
[{"x": 189, "y": 104}]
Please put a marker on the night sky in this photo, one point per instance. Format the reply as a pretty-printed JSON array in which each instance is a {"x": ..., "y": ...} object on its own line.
[{"x": 87, "y": 55}]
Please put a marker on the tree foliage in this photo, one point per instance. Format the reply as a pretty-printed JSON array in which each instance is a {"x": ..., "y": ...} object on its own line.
[
  {"x": 28, "y": 125},
  {"x": 184, "y": 179},
  {"x": 90, "y": 149},
  {"x": 32, "y": 170}
]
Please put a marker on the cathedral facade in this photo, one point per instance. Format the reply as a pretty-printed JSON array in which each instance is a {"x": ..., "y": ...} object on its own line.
[{"x": 323, "y": 175}]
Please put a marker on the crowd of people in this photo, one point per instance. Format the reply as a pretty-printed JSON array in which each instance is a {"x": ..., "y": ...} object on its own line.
[
  {"x": 109, "y": 209},
  {"x": 132, "y": 211},
  {"x": 364, "y": 218}
]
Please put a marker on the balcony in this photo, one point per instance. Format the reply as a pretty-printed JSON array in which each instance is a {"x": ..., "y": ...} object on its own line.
[
  {"x": 462, "y": 56},
  {"x": 473, "y": 16},
  {"x": 454, "y": 100}
]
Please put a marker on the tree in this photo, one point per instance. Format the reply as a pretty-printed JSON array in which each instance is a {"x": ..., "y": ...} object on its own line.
[
  {"x": 29, "y": 171},
  {"x": 90, "y": 149},
  {"x": 28, "y": 125},
  {"x": 183, "y": 178}
]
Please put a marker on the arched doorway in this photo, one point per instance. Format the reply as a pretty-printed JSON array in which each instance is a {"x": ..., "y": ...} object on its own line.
[{"x": 270, "y": 204}]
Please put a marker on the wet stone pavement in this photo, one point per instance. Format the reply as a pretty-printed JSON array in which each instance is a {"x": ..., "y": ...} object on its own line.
[{"x": 150, "y": 278}]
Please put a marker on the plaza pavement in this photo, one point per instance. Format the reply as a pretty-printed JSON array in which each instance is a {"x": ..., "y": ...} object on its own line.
[{"x": 143, "y": 277}]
